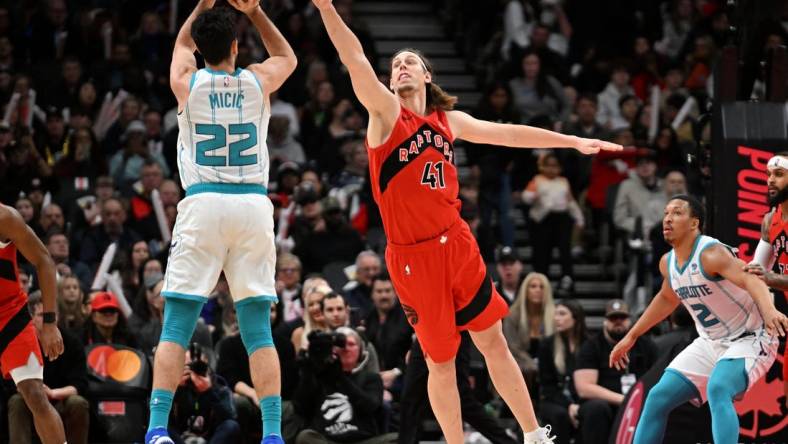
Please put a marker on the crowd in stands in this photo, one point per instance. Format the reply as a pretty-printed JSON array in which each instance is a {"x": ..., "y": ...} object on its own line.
[{"x": 87, "y": 156}]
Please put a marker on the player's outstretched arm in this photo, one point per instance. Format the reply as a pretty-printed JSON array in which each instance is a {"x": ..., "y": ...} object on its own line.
[
  {"x": 13, "y": 228},
  {"x": 183, "y": 63},
  {"x": 469, "y": 128},
  {"x": 717, "y": 260},
  {"x": 281, "y": 61},
  {"x": 370, "y": 92},
  {"x": 660, "y": 307}
]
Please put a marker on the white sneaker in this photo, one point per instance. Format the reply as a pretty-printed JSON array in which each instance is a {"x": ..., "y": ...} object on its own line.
[{"x": 540, "y": 436}]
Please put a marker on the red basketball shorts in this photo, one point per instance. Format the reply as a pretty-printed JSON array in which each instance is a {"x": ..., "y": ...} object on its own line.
[
  {"x": 20, "y": 354},
  {"x": 443, "y": 288}
]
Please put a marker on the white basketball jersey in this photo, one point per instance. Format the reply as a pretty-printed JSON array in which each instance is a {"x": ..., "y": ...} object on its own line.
[
  {"x": 222, "y": 130},
  {"x": 721, "y": 310}
]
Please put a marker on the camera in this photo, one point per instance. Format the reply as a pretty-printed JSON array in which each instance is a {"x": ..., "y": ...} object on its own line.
[
  {"x": 321, "y": 347},
  {"x": 197, "y": 365}
]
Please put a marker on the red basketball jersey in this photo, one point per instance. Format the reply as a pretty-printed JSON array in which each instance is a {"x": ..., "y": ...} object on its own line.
[
  {"x": 414, "y": 180},
  {"x": 12, "y": 297},
  {"x": 778, "y": 237}
]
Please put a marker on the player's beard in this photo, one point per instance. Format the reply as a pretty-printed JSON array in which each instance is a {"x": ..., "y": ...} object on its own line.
[{"x": 778, "y": 198}]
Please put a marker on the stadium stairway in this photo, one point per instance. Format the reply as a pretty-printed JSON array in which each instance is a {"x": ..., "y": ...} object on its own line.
[{"x": 412, "y": 23}]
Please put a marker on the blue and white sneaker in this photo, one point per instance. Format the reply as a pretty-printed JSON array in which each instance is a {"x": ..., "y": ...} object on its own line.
[
  {"x": 272, "y": 439},
  {"x": 158, "y": 435}
]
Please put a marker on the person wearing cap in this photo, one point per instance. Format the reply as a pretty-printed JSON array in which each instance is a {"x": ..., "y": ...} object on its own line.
[
  {"x": 106, "y": 324},
  {"x": 601, "y": 387},
  {"x": 126, "y": 165},
  {"x": 510, "y": 273},
  {"x": 66, "y": 383}
]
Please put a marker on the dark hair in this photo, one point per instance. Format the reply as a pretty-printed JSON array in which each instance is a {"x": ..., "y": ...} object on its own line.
[
  {"x": 578, "y": 334},
  {"x": 437, "y": 98},
  {"x": 580, "y": 330},
  {"x": 696, "y": 208},
  {"x": 33, "y": 299},
  {"x": 383, "y": 276},
  {"x": 331, "y": 295},
  {"x": 542, "y": 86},
  {"x": 213, "y": 32},
  {"x": 589, "y": 97}
]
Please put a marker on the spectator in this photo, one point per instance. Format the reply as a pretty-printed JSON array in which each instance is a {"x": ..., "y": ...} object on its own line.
[
  {"x": 145, "y": 322},
  {"x": 51, "y": 219},
  {"x": 72, "y": 306},
  {"x": 169, "y": 192},
  {"x": 353, "y": 175},
  {"x": 57, "y": 245},
  {"x": 335, "y": 382},
  {"x": 628, "y": 107},
  {"x": 577, "y": 167},
  {"x": 112, "y": 229},
  {"x": 129, "y": 113},
  {"x": 143, "y": 218},
  {"x": 601, "y": 387},
  {"x": 288, "y": 286},
  {"x": 635, "y": 193},
  {"x": 313, "y": 315},
  {"x": 280, "y": 107},
  {"x": 203, "y": 404},
  {"x": 670, "y": 155},
  {"x": 65, "y": 381},
  {"x": 78, "y": 169},
  {"x": 358, "y": 291},
  {"x": 609, "y": 111},
  {"x": 106, "y": 325},
  {"x": 530, "y": 319},
  {"x": 677, "y": 22},
  {"x": 126, "y": 165},
  {"x": 673, "y": 184},
  {"x": 329, "y": 239},
  {"x": 510, "y": 272},
  {"x": 26, "y": 210},
  {"x": 553, "y": 214},
  {"x": 335, "y": 311},
  {"x": 493, "y": 166},
  {"x": 282, "y": 146},
  {"x": 388, "y": 330},
  {"x": 536, "y": 93},
  {"x": 51, "y": 142},
  {"x": 608, "y": 169},
  {"x": 131, "y": 274},
  {"x": 559, "y": 401}
]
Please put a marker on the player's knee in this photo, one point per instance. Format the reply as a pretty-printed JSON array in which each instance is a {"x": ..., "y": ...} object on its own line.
[
  {"x": 180, "y": 317},
  {"x": 32, "y": 390},
  {"x": 491, "y": 344},
  {"x": 254, "y": 322},
  {"x": 719, "y": 390}
]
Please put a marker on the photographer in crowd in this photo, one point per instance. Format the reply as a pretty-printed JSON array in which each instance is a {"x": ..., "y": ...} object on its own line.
[
  {"x": 203, "y": 406},
  {"x": 338, "y": 400}
]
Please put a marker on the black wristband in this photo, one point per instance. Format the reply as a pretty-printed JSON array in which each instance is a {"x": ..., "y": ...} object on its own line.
[{"x": 49, "y": 317}]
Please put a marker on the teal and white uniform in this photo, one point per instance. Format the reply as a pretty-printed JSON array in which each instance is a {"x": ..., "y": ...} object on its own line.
[
  {"x": 225, "y": 222},
  {"x": 727, "y": 319}
]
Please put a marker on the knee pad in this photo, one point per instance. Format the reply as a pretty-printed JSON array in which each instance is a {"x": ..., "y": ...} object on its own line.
[
  {"x": 180, "y": 317},
  {"x": 254, "y": 322}
]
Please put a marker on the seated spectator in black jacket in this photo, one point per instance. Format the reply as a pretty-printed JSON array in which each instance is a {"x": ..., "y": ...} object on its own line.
[
  {"x": 64, "y": 379},
  {"x": 357, "y": 292},
  {"x": 112, "y": 229},
  {"x": 203, "y": 404},
  {"x": 601, "y": 387},
  {"x": 559, "y": 401},
  {"x": 328, "y": 239},
  {"x": 57, "y": 244},
  {"x": 388, "y": 330},
  {"x": 336, "y": 398},
  {"x": 233, "y": 366}
]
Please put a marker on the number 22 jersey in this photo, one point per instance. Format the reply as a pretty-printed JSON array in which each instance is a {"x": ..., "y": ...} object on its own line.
[
  {"x": 721, "y": 310},
  {"x": 413, "y": 178},
  {"x": 222, "y": 130}
]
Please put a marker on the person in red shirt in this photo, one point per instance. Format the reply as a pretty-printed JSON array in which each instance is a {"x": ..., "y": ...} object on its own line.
[
  {"x": 773, "y": 247},
  {"x": 20, "y": 354},
  {"x": 432, "y": 257}
]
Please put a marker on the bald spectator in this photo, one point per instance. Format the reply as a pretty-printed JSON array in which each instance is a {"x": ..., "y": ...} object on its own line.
[
  {"x": 112, "y": 229},
  {"x": 170, "y": 192}
]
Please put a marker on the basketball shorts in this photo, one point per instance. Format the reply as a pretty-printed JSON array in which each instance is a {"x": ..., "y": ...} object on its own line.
[
  {"x": 697, "y": 361},
  {"x": 20, "y": 354},
  {"x": 222, "y": 231},
  {"x": 443, "y": 288}
]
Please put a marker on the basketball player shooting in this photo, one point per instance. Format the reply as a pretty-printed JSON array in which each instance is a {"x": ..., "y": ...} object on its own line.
[
  {"x": 773, "y": 244},
  {"x": 20, "y": 355},
  {"x": 735, "y": 317},
  {"x": 432, "y": 257},
  {"x": 225, "y": 223}
]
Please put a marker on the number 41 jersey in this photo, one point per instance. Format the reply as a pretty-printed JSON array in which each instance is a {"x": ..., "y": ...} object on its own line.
[
  {"x": 223, "y": 129},
  {"x": 413, "y": 178},
  {"x": 721, "y": 310}
]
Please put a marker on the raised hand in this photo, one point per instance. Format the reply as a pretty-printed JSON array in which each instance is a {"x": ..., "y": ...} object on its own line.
[
  {"x": 593, "y": 146},
  {"x": 245, "y": 6}
]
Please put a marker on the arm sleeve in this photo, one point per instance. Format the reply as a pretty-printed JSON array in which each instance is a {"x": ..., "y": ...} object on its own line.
[{"x": 763, "y": 255}]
